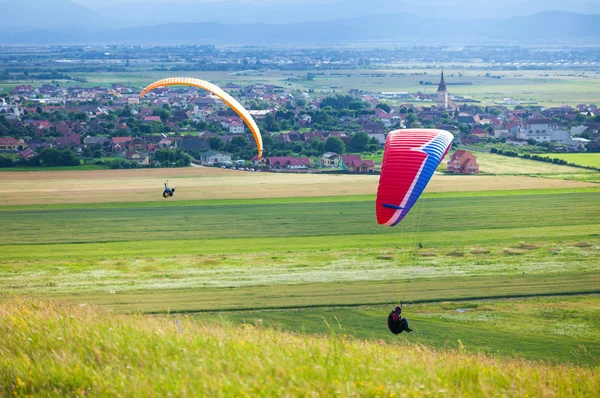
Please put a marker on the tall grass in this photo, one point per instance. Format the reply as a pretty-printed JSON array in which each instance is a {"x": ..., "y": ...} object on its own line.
[{"x": 53, "y": 348}]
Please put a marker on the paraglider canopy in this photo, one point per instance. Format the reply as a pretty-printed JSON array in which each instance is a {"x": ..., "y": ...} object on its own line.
[
  {"x": 228, "y": 99},
  {"x": 409, "y": 161}
]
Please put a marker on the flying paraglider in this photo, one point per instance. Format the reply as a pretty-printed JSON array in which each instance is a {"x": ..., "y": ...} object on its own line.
[
  {"x": 168, "y": 192},
  {"x": 396, "y": 323},
  {"x": 409, "y": 161},
  {"x": 229, "y": 100}
]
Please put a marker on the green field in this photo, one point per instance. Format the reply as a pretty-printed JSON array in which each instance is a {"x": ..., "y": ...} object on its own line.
[
  {"x": 545, "y": 87},
  {"x": 493, "y": 282},
  {"x": 275, "y": 253},
  {"x": 582, "y": 159}
]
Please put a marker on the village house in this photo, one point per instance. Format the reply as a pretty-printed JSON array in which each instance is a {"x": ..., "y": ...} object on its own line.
[
  {"x": 9, "y": 144},
  {"x": 140, "y": 158},
  {"x": 27, "y": 154},
  {"x": 288, "y": 162},
  {"x": 152, "y": 119},
  {"x": 543, "y": 130},
  {"x": 463, "y": 162},
  {"x": 330, "y": 160},
  {"x": 361, "y": 166},
  {"x": 236, "y": 127},
  {"x": 69, "y": 140},
  {"x": 212, "y": 157},
  {"x": 189, "y": 143}
]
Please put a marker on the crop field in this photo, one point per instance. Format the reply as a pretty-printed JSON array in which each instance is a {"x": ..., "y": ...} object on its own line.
[
  {"x": 490, "y": 163},
  {"x": 582, "y": 159},
  {"x": 545, "y": 87},
  {"x": 42, "y": 188},
  {"x": 158, "y": 257}
]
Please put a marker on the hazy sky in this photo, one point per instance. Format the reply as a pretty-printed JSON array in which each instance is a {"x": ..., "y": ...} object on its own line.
[{"x": 286, "y": 11}]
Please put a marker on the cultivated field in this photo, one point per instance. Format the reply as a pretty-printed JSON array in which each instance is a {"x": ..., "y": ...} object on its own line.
[
  {"x": 490, "y": 163},
  {"x": 582, "y": 159},
  {"x": 547, "y": 87},
  {"x": 203, "y": 183}
]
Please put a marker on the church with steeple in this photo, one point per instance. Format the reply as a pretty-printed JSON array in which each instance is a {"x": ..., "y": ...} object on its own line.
[{"x": 443, "y": 100}]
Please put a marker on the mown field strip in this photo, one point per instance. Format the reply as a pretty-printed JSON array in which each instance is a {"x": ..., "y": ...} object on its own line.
[
  {"x": 82, "y": 225},
  {"x": 306, "y": 199},
  {"x": 210, "y": 184},
  {"x": 344, "y": 294}
]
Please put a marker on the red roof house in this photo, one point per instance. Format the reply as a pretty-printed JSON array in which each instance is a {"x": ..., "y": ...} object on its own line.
[{"x": 463, "y": 162}]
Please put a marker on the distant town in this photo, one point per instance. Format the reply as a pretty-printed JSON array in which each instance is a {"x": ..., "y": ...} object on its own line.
[{"x": 303, "y": 130}]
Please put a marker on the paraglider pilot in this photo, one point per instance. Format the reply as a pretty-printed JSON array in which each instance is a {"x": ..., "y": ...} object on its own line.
[
  {"x": 168, "y": 192},
  {"x": 396, "y": 323}
]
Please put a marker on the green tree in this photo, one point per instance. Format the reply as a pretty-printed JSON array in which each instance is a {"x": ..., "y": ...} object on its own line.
[
  {"x": 359, "y": 142},
  {"x": 163, "y": 113},
  {"x": 384, "y": 107},
  {"x": 411, "y": 119},
  {"x": 216, "y": 143},
  {"x": 335, "y": 144}
]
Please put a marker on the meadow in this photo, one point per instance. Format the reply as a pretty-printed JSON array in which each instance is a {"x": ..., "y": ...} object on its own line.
[
  {"x": 499, "y": 275},
  {"x": 59, "y": 349}
]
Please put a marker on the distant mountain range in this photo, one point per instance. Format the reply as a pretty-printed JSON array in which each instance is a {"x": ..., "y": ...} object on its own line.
[
  {"x": 154, "y": 12},
  {"x": 28, "y": 15},
  {"x": 547, "y": 27}
]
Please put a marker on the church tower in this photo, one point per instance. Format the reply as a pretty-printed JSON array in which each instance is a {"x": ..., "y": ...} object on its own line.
[{"x": 442, "y": 94}]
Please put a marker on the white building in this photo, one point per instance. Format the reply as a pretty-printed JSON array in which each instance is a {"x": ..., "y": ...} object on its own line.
[
  {"x": 215, "y": 157},
  {"x": 509, "y": 101},
  {"x": 236, "y": 127},
  {"x": 543, "y": 130}
]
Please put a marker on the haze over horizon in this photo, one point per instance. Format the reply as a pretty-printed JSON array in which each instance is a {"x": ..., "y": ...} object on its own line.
[
  {"x": 149, "y": 12},
  {"x": 293, "y": 21}
]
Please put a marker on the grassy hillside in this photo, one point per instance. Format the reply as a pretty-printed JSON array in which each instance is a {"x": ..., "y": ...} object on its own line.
[
  {"x": 52, "y": 348},
  {"x": 557, "y": 329}
]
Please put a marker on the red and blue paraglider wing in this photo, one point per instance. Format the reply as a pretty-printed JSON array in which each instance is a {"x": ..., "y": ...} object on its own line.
[{"x": 409, "y": 161}]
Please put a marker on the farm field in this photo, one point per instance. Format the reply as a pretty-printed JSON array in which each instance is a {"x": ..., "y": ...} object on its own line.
[
  {"x": 202, "y": 183},
  {"x": 582, "y": 159},
  {"x": 490, "y": 163},
  {"x": 545, "y": 87},
  {"x": 183, "y": 258}
]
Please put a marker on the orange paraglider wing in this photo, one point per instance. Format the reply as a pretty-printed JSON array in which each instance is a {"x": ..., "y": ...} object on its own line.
[{"x": 228, "y": 99}]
